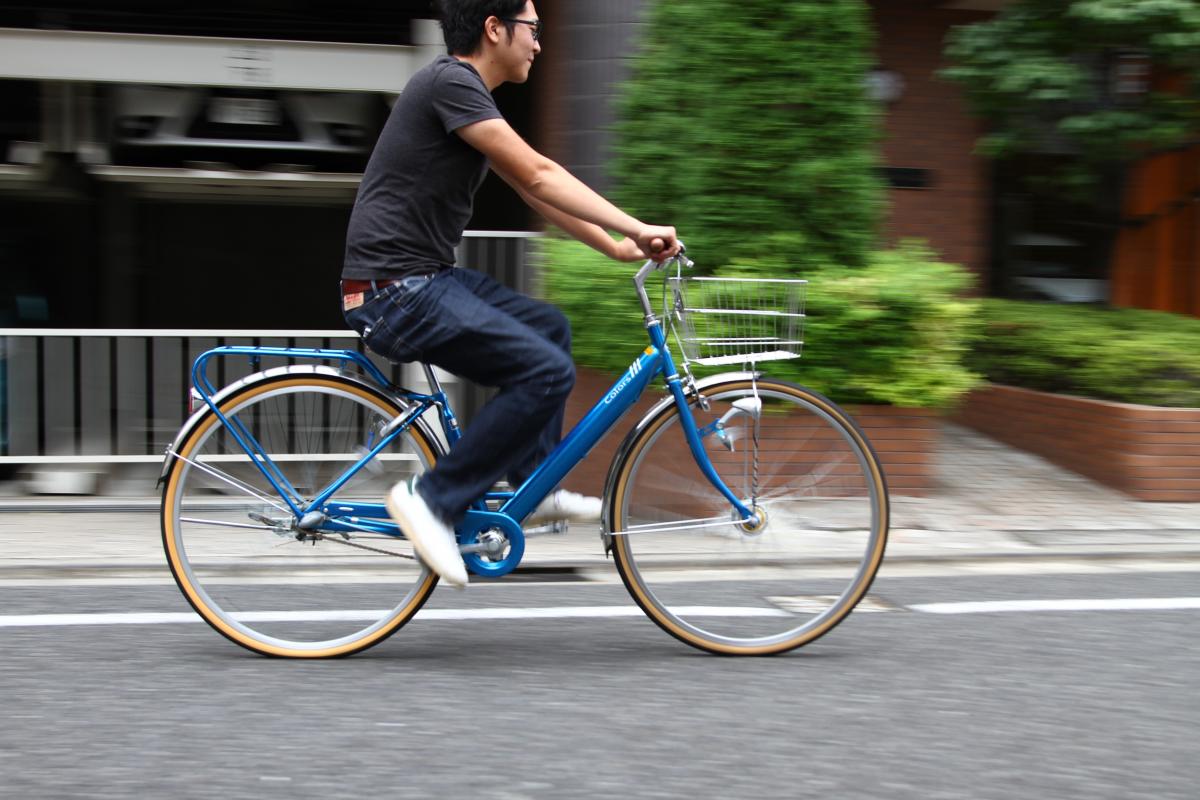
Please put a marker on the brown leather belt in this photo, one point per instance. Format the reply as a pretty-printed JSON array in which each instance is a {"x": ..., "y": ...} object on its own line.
[{"x": 352, "y": 286}]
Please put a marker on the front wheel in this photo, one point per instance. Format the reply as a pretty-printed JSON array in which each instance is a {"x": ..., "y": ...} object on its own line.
[{"x": 780, "y": 581}]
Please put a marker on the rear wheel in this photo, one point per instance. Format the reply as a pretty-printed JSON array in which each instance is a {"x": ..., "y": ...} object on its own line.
[
  {"x": 750, "y": 588},
  {"x": 237, "y": 550}
]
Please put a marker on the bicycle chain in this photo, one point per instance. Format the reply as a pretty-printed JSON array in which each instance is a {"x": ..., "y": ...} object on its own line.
[
  {"x": 325, "y": 538},
  {"x": 754, "y": 477}
]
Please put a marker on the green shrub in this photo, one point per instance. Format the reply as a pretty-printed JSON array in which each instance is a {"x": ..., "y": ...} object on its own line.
[
  {"x": 894, "y": 332},
  {"x": 1127, "y": 355},
  {"x": 597, "y": 295},
  {"x": 744, "y": 118}
]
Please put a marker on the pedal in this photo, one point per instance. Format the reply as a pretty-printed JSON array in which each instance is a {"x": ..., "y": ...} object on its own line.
[{"x": 276, "y": 525}]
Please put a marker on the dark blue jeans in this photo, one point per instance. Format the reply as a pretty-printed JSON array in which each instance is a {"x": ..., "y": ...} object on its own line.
[{"x": 471, "y": 325}]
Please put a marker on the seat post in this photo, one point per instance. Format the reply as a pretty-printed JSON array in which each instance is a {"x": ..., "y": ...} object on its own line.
[
  {"x": 449, "y": 422},
  {"x": 435, "y": 387}
]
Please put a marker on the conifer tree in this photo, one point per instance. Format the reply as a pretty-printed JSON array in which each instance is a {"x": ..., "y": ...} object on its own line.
[{"x": 747, "y": 126}]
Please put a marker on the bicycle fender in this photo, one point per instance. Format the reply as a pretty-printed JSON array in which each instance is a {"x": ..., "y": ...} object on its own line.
[
  {"x": 258, "y": 377},
  {"x": 623, "y": 450}
]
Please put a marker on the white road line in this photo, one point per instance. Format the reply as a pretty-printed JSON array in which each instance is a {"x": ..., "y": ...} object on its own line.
[
  {"x": 1001, "y": 606},
  {"x": 57, "y": 620},
  {"x": 568, "y": 612},
  {"x": 563, "y": 612},
  {"x": 596, "y": 611}
]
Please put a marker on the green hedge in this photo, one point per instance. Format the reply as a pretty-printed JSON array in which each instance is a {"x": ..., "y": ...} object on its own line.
[
  {"x": 597, "y": 295},
  {"x": 1127, "y": 355},
  {"x": 894, "y": 332}
]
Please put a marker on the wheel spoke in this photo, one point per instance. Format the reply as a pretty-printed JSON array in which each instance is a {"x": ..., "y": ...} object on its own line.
[
  {"x": 229, "y": 480},
  {"x": 221, "y": 523},
  {"x": 680, "y": 525}
]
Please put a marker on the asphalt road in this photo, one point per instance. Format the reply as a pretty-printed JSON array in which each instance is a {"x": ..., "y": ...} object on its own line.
[{"x": 905, "y": 703}]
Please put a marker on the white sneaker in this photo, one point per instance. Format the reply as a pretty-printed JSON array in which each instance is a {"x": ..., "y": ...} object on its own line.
[
  {"x": 564, "y": 505},
  {"x": 431, "y": 538}
]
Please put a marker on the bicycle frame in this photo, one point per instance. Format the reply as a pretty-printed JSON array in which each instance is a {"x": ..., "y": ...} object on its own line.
[{"x": 654, "y": 361}]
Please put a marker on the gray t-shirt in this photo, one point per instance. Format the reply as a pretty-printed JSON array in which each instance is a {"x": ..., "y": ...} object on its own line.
[{"x": 418, "y": 190}]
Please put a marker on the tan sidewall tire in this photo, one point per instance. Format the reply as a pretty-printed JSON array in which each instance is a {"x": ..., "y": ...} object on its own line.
[
  {"x": 624, "y": 558},
  {"x": 174, "y": 559}
]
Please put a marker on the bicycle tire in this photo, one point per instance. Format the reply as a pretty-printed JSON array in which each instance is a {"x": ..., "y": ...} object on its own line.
[
  {"x": 261, "y": 585},
  {"x": 736, "y": 590}
]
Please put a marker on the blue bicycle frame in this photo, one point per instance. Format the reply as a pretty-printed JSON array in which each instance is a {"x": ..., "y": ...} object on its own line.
[{"x": 653, "y": 362}]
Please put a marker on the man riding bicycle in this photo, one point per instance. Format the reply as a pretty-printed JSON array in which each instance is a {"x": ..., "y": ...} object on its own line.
[{"x": 400, "y": 289}]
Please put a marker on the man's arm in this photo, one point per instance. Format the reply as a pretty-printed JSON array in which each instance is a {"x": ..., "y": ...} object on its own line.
[
  {"x": 593, "y": 236},
  {"x": 537, "y": 177}
]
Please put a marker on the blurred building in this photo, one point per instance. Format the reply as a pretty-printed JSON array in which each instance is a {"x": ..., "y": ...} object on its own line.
[
  {"x": 164, "y": 165},
  {"x": 193, "y": 167},
  {"x": 183, "y": 166},
  {"x": 1136, "y": 244}
]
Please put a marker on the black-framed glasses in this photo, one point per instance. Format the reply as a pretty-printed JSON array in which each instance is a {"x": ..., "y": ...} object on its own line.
[{"x": 536, "y": 24}]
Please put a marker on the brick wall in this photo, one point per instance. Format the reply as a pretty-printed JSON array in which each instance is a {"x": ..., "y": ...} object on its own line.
[
  {"x": 929, "y": 128},
  {"x": 590, "y": 386},
  {"x": 1148, "y": 452},
  {"x": 905, "y": 440}
]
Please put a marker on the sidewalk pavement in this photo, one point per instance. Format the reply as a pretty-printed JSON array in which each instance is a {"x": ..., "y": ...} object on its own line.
[{"x": 993, "y": 503}]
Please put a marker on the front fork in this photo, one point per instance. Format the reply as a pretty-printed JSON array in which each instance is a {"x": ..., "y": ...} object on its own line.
[
  {"x": 750, "y": 406},
  {"x": 695, "y": 435},
  {"x": 654, "y": 327}
]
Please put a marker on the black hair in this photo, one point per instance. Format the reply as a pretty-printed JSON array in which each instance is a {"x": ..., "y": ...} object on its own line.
[{"x": 462, "y": 21}]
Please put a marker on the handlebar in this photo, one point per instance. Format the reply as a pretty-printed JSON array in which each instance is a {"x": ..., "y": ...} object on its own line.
[
  {"x": 680, "y": 260},
  {"x": 639, "y": 280}
]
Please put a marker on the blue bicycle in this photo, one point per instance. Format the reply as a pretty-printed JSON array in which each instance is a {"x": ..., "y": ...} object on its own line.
[{"x": 745, "y": 515}]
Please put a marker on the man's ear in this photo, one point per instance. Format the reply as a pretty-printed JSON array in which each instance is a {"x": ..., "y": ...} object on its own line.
[{"x": 491, "y": 29}]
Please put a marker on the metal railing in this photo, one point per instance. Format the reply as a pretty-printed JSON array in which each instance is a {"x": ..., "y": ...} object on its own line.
[
  {"x": 112, "y": 396},
  {"x": 102, "y": 396}
]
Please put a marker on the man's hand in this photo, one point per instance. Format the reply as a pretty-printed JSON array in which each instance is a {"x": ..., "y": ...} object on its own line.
[
  {"x": 658, "y": 242},
  {"x": 627, "y": 250}
]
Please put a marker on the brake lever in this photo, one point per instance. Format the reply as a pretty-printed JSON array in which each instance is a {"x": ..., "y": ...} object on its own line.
[{"x": 680, "y": 259}]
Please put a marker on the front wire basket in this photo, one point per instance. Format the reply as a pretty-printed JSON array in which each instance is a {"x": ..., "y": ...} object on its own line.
[{"x": 721, "y": 321}]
